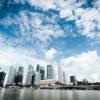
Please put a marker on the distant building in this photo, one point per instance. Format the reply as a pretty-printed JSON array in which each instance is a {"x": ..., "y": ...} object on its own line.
[
  {"x": 42, "y": 72},
  {"x": 38, "y": 68},
  {"x": 20, "y": 70},
  {"x": 19, "y": 76},
  {"x": 37, "y": 78},
  {"x": 33, "y": 80},
  {"x": 48, "y": 83},
  {"x": 2, "y": 78},
  {"x": 73, "y": 80},
  {"x": 11, "y": 76},
  {"x": 49, "y": 72},
  {"x": 60, "y": 74},
  {"x": 64, "y": 78},
  {"x": 29, "y": 75}
]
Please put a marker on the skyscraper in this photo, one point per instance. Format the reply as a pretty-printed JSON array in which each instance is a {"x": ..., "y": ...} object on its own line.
[
  {"x": 49, "y": 72},
  {"x": 20, "y": 70},
  {"x": 64, "y": 78},
  {"x": 60, "y": 74},
  {"x": 37, "y": 78},
  {"x": 33, "y": 80},
  {"x": 2, "y": 78},
  {"x": 38, "y": 68},
  {"x": 42, "y": 72},
  {"x": 19, "y": 76},
  {"x": 73, "y": 80},
  {"x": 29, "y": 75},
  {"x": 11, "y": 76}
]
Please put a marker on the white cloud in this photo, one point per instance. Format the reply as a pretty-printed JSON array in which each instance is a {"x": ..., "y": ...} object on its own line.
[
  {"x": 88, "y": 22},
  {"x": 50, "y": 54},
  {"x": 82, "y": 65},
  {"x": 97, "y": 4},
  {"x": 10, "y": 56},
  {"x": 95, "y": 77},
  {"x": 66, "y": 13},
  {"x": 32, "y": 27}
]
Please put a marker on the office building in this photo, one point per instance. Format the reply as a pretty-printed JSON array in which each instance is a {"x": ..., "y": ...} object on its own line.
[
  {"x": 11, "y": 76},
  {"x": 60, "y": 74},
  {"x": 38, "y": 68},
  {"x": 30, "y": 73},
  {"x": 64, "y": 78},
  {"x": 2, "y": 78},
  {"x": 20, "y": 70},
  {"x": 37, "y": 78},
  {"x": 33, "y": 80},
  {"x": 49, "y": 72},
  {"x": 42, "y": 72},
  {"x": 73, "y": 80},
  {"x": 19, "y": 76}
]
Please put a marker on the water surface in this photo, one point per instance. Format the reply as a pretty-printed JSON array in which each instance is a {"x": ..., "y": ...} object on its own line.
[{"x": 31, "y": 94}]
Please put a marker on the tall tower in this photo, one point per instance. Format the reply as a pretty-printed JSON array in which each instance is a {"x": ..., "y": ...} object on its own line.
[
  {"x": 29, "y": 75},
  {"x": 60, "y": 74},
  {"x": 42, "y": 72},
  {"x": 11, "y": 76},
  {"x": 19, "y": 76},
  {"x": 20, "y": 70},
  {"x": 49, "y": 72},
  {"x": 38, "y": 68},
  {"x": 2, "y": 78}
]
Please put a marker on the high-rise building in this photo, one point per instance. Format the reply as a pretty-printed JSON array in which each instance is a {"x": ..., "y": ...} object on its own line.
[
  {"x": 33, "y": 80},
  {"x": 37, "y": 78},
  {"x": 19, "y": 76},
  {"x": 38, "y": 68},
  {"x": 49, "y": 72},
  {"x": 42, "y": 72},
  {"x": 29, "y": 75},
  {"x": 2, "y": 78},
  {"x": 64, "y": 78},
  {"x": 20, "y": 70},
  {"x": 73, "y": 80},
  {"x": 60, "y": 74},
  {"x": 11, "y": 76}
]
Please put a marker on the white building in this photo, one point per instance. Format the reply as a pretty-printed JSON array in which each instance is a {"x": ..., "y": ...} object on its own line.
[
  {"x": 29, "y": 75},
  {"x": 64, "y": 78},
  {"x": 60, "y": 74},
  {"x": 11, "y": 76},
  {"x": 37, "y": 78}
]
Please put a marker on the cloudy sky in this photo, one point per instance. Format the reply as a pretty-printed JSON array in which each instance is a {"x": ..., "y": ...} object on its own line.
[{"x": 52, "y": 31}]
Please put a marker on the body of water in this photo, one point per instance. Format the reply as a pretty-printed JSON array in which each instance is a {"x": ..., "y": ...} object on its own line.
[{"x": 31, "y": 94}]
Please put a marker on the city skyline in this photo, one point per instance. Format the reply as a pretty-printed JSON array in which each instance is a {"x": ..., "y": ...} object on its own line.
[
  {"x": 65, "y": 32},
  {"x": 16, "y": 76}
]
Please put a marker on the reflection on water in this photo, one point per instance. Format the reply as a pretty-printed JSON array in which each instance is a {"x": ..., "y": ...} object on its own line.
[{"x": 31, "y": 94}]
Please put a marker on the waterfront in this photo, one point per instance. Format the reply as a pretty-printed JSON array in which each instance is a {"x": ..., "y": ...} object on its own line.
[{"x": 34, "y": 94}]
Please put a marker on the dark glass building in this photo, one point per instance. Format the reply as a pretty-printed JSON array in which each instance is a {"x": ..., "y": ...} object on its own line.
[
  {"x": 33, "y": 80},
  {"x": 42, "y": 72},
  {"x": 19, "y": 76},
  {"x": 18, "y": 79},
  {"x": 38, "y": 68},
  {"x": 73, "y": 80},
  {"x": 2, "y": 78}
]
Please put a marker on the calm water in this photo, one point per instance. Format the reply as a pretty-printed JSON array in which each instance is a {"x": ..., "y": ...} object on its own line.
[{"x": 31, "y": 94}]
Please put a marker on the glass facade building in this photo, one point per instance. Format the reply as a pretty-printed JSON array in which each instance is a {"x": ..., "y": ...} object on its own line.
[{"x": 49, "y": 72}]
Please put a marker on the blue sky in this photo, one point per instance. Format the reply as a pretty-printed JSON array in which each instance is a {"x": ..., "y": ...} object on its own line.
[{"x": 52, "y": 31}]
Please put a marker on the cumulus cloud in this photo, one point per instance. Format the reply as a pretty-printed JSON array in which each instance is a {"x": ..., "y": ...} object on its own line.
[
  {"x": 86, "y": 19},
  {"x": 50, "y": 54},
  {"x": 82, "y": 65},
  {"x": 18, "y": 56},
  {"x": 88, "y": 22}
]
